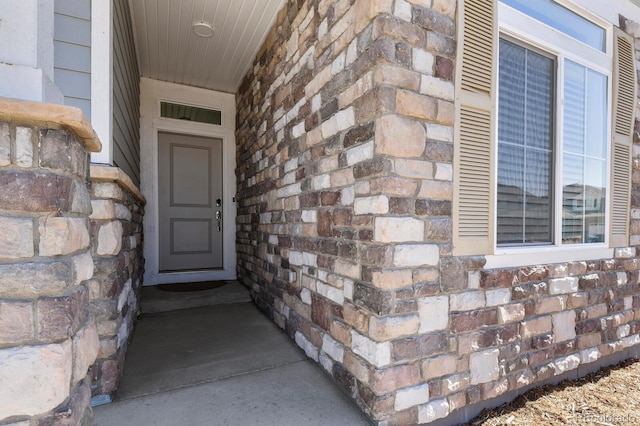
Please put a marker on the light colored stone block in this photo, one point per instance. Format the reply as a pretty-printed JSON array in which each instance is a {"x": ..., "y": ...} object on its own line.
[
  {"x": 122, "y": 212},
  {"x": 16, "y": 237},
  {"x": 536, "y": 326},
  {"x": 414, "y": 168},
  {"x": 307, "y": 346},
  {"x": 497, "y": 297},
  {"x": 563, "y": 285},
  {"x": 444, "y": 172},
  {"x": 109, "y": 239},
  {"x": 410, "y": 397},
  {"x": 467, "y": 300},
  {"x": 378, "y": 204},
  {"x": 511, "y": 313},
  {"x": 390, "y": 328},
  {"x": 377, "y": 353},
  {"x": 589, "y": 355},
  {"x": 434, "y": 313},
  {"x": 5, "y": 145},
  {"x": 415, "y": 105},
  {"x": 402, "y": 10},
  {"x": 484, "y": 366},
  {"x": 331, "y": 293},
  {"x": 332, "y": 348},
  {"x": 398, "y": 229},
  {"x": 82, "y": 267},
  {"x": 359, "y": 153},
  {"x": 392, "y": 279},
  {"x": 62, "y": 235},
  {"x": 348, "y": 269},
  {"x": 436, "y": 409},
  {"x": 24, "y": 147},
  {"x": 564, "y": 326},
  {"x": 433, "y": 86},
  {"x": 102, "y": 209},
  {"x": 567, "y": 363},
  {"x": 86, "y": 344},
  {"x": 439, "y": 367},
  {"x": 35, "y": 379},
  {"x": 422, "y": 61},
  {"x": 416, "y": 255},
  {"x": 399, "y": 137}
]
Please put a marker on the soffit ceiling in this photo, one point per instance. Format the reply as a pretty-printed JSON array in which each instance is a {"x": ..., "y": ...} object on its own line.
[{"x": 168, "y": 49}]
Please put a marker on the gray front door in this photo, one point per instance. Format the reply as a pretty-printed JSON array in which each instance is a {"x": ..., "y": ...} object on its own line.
[{"x": 189, "y": 202}]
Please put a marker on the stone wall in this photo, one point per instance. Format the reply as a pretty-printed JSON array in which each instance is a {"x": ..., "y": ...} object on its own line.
[
  {"x": 114, "y": 291},
  {"x": 344, "y": 231},
  {"x": 48, "y": 337}
]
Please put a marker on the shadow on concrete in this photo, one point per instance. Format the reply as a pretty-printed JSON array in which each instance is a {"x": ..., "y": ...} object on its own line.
[{"x": 224, "y": 364}]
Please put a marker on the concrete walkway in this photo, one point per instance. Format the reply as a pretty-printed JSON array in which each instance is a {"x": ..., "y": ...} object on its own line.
[{"x": 225, "y": 364}]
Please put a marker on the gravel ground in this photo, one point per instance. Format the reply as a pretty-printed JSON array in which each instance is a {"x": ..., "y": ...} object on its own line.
[{"x": 610, "y": 396}]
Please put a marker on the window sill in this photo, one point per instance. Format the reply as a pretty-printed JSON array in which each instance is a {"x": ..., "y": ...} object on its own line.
[{"x": 517, "y": 257}]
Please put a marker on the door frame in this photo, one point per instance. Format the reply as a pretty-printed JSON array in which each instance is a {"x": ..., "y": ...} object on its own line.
[{"x": 152, "y": 92}]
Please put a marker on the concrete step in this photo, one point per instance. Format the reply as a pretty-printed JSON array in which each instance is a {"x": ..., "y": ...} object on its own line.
[{"x": 155, "y": 299}]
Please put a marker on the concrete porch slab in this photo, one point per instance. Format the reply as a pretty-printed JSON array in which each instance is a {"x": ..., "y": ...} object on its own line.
[{"x": 221, "y": 365}]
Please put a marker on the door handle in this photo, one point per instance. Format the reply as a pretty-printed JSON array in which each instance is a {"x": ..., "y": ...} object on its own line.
[{"x": 219, "y": 219}]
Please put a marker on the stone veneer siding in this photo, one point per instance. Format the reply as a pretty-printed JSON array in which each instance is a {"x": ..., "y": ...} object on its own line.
[
  {"x": 48, "y": 338},
  {"x": 114, "y": 291},
  {"x": 344, "y": 229}
]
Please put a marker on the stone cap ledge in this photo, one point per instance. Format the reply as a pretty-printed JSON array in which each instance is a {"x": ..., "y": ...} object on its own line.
[
  {"x": 101, "y": 173},
  {"x": 51, "y": 116}
]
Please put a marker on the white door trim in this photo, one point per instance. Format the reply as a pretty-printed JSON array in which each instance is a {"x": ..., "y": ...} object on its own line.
[{"x": 151, "y": 93}]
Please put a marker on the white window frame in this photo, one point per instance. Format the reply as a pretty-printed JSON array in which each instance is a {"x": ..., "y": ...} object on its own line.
[{"x": 515, "y": 25}]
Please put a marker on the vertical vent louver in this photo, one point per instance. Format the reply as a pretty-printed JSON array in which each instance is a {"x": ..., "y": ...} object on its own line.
[
  {"x": 621, "y": 184},
  {"x": 625, "y": 88},
  {"x": 474, "y": 192},
  {"x": 475, "y": 173},
  {"x": 624, "y": 102},
  {"x": 478, "y": 46}
]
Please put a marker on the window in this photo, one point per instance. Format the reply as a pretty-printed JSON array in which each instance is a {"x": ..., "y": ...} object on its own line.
[
  {"x": 190, "y": 113},
  {"x": 544, "y": 119}
]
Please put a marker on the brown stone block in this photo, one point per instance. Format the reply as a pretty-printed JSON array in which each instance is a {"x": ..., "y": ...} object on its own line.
[
  {"x": 380, "y": 100},
  {"x": 474, "y": 395},
  {"x": 393, "y": 186},
  {"x": 533, "y": 273},
  {"x": 498, "y": 278},
  {"x": 441, "y": 152},
  {"x": 473, "y": 320},
  {"x": 454, "y": 273},
  {"x": 444, "y": 68},
  {"x": 345, "y": 380},
  {"x": 434, "y": 21},
  {"x": 342, "y": 217},
  {"x": 389, "y": 379},
  {"x": 376, "y": 406},
  {"x": 401, "y": 206},
  {"x": 375, "y": 167},
  {"x": 323, "y": 311},
  {"x": 414, "y": 348},
  {"x": 355, "y": 317},
  {"x": 433, "y": 207},
  {"x": 374, "y": 300},
  {"x": 359, "y": 134},
  {"x": 35, "y": 192},
  {"x": 397, "y": 29},
  {"x": 608, "y": 265},
  {"x": 60, "y": 317},
  {"x": 330, "y": 198}
]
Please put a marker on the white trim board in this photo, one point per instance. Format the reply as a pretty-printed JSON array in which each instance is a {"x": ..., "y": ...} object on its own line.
[{"x": 151, "y": 93}]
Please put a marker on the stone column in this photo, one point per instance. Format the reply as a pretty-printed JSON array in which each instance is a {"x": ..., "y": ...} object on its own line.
[
  {"x": 48, "y": 339},
  {"x": 114, "y": 291}
]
